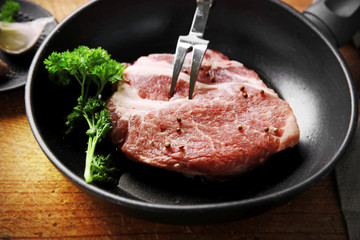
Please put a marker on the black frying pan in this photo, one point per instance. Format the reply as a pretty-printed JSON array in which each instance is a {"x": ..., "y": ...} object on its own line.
[{"x": 297, "y": 60}]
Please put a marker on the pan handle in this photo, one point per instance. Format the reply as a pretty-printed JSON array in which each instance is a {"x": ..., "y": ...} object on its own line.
[{"x": 338, "y": 20}]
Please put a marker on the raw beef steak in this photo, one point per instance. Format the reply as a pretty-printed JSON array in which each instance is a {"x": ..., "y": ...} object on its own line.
[{"x": 233, "y": 123}]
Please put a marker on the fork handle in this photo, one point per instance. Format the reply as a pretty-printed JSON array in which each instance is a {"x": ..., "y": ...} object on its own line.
[{"x": 200, "y": 17}]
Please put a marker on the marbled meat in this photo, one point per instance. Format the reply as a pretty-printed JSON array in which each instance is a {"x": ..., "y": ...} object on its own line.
[{"x": 232, "y": 125}]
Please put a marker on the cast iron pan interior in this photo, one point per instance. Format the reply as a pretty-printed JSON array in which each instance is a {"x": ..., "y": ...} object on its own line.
[{"x": 268, "y": 36}]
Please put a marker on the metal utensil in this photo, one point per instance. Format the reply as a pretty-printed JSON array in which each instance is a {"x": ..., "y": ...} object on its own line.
[{"x": 193, "y": 41}]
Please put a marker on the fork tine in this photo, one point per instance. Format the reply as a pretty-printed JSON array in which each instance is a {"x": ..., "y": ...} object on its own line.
[
  {"x": 180, "y": 53},
  {"x": 197, "y": 57},
  {"x": 195, "y": 41}
]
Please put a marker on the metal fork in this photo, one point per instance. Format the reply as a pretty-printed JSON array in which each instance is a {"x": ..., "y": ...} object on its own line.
[{"x": 193, "y": 41}]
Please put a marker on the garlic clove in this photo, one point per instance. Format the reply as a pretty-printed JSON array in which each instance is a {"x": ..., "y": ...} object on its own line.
[
  {"x": 19, "y": 37},
  {"x": 4, "y": 68}
]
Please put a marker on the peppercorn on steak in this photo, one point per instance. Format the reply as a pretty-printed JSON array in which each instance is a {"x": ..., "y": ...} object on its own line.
[{"x": 233, "y": 123}]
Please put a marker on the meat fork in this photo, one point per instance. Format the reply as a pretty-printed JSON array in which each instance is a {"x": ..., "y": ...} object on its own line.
[{"x": 193, "y": 41}]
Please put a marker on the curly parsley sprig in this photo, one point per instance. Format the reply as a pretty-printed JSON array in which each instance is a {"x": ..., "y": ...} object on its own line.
[
  {"x": 93, "y": 69},
  {"x": 9, "y": 10}
]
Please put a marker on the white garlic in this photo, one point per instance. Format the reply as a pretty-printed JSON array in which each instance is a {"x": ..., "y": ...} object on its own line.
[{"x": 19, "y": 37}]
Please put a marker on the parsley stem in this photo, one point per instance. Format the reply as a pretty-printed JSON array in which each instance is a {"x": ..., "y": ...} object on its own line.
[{"x": 89, "y": 158}]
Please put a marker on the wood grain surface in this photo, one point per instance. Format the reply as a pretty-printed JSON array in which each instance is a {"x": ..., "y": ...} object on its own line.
[{"x": 37, "y": 202}]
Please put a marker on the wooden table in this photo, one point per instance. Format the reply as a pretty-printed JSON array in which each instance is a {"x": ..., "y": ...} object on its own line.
[{"x": 36, "y": 201}]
